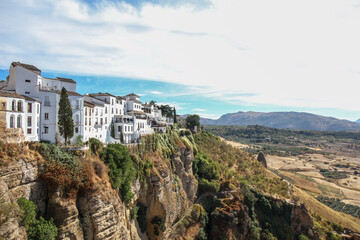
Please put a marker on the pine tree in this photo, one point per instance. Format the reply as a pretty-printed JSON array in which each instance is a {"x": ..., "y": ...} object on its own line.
[{"x": 65, "y": 122}]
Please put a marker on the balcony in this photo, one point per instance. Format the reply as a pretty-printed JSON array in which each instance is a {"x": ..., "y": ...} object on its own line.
[{"x": 76, "y": 107}]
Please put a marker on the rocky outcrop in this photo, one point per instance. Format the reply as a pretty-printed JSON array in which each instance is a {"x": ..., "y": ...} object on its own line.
[
  {"x": 103, "y": 216},
  {"x": 20, "y": 179},
  {"x": 261, "y": 158},
  {"x": 183, "y": 169},
  {"x": 11, "y": 135},
  {"x": 301, "y": 220}
]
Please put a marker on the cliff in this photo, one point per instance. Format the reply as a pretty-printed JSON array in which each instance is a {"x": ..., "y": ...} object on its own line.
[{"x": 172, "y": 186}]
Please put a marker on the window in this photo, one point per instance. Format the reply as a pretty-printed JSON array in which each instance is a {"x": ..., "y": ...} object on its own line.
[
  {"x": 105, "y": 120},
  {"x": 13, "y": 105},
  {"x": 46, "y": 129},
  {"x": 47, "y": 101},
  {"x": 90, "y": 121},
  {"x": 27, "y": 92},
  {"x": 19, "y": 121},
  {"x": 85, "y": 121},
  {"x": 29, "y": 122},
  {"x": 46, "y": 116},
  {"x": 76, "y": 130},
  {"x": 105, "y": 110},
  {"x": 38, "y": 108},
  {"x": 37, "y": 122},
  {"x": 96, "y": 112},
  {"x": 29, "y": 107},
  {"x": 85, "y": 111},
  {"x": 85, "y": 129},
  {"x": 19, "y": 106},
  {"x": 116, "y": 111},
  {"x": 27, "y": 80},
  {"x": 112, "y": 110},
  {"x": 3, "y": 105},
  {"x": 112, "y": 101},
  {"x": 101, "y": 121},
  {"x": 29, "y": 131},
  {"x": 12, "y": 125},
  {"x": 119, "y": 128}
]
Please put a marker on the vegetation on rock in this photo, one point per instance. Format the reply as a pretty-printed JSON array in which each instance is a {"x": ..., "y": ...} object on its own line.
[
  {"x": 36, "y": 229},
  {"x": 122, "y": 171}
]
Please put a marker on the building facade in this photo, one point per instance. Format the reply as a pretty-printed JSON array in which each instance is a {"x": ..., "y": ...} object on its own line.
[{"x": 31, "y": 102}]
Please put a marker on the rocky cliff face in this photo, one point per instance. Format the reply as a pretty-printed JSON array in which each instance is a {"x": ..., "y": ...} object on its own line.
[{"x": 99, "y": 213}]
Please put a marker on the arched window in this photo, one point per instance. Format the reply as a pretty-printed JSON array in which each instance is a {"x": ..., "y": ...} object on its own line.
[
  {"x": 19, "y": 121},
  {"x": 13, "y": 105},
  {"x": 12, "y": 125},
  {"x": 19, "y": 106}
]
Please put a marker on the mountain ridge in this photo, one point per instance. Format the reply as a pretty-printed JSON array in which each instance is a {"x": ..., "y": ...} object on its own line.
[{"x": 290, "y": 120}]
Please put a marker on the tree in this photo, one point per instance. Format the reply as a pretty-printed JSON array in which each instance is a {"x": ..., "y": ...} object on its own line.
[
  {"x": 166, "y": 111},
  {"x": 175, "y": 119},
  {"x": 193, "y": 121},
  {"x": 66, "y": 123}
]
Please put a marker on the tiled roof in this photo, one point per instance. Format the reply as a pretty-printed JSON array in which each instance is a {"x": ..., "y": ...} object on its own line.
[
  {"x": 26, "y": 66},
  {"x": 89, "y": 104},
  {"x": 11, "y": 94},
  {"x": 65, "y": 80},
  {"x": 101, "y": 94},
  {"x": 29, "y": 98},
  {"x": 132, "y": 94},
  {"x": 70, "y": 93}
]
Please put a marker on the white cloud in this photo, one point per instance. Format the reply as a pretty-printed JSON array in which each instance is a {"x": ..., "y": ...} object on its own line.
[
  {"x": 211, "y": 116},
  {"x": 156, "y": 92},
  {"x": 199, "y": 110},
  {"x": 299, "y": 53}
]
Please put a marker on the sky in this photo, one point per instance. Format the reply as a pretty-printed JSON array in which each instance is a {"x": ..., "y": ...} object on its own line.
[{"x": 208, "y": 57}]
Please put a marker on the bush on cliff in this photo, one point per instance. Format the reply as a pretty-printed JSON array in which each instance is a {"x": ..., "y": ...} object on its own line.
[
  {"x": 121, "y": 169},
  {"x": 36, "y": 229},
  {"x": 63, "y": 170}
]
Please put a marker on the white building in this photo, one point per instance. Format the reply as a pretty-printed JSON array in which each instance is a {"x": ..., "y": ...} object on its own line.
[
  {"x": 31, "y": 102},
  {"x": 19, "y": 111}
]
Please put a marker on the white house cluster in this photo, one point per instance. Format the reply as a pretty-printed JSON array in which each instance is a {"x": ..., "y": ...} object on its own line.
[{"x": 30, "y": 101}]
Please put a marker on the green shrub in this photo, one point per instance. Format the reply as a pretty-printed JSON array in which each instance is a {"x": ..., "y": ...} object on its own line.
[
  {"x": 303, "y": 237},
  {"x": 208, "y": 186},
  {"x": 134, "y": 212},
  {"x": 28, "y": 209},
  {"x": 44, "y": 230},
  {"x": 205, "y": 167},
  {"x": 95, "y": 145},
  {"x": 36, "y": 229},
  {"x": 79, "y": 140},
  {"x": 53, "y": 153},
  {"x": 121, "y": 169},
  {"x": 201, "y": 234}
]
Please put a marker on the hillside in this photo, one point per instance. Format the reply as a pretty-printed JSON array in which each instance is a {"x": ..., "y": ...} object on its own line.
[
  {"x": 290, "y": 120},
  {"x": 176, "y": 185}
]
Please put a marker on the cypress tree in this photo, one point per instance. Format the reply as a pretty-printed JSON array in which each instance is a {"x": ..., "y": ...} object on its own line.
[
  {"x": 65, "y": 122},
  {"x": 175, "y": 119}
]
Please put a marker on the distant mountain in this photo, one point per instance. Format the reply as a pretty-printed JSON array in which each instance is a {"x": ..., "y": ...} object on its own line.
[
  {"x": 290, "y": 120},
  {"x": 358, "y": 121}
]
